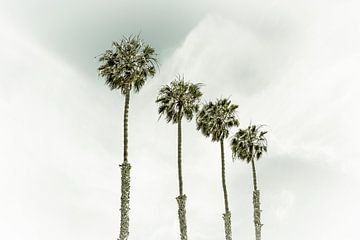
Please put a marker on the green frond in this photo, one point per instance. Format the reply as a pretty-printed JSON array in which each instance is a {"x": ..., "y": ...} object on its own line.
[
  {"x": 179, "y": 99},
  {"x": 128, "y": 64},
  {"x": 217, "y": 118},
  {"x": 249, "y": 143}
]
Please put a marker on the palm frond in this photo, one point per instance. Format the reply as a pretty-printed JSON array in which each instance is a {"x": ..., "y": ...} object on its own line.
[
  {"x": 128, "y": 64},
  {"x": 249, "y": 143},
  {"x": 217, "y": 118},
  {"x": 179, "y": 99}
]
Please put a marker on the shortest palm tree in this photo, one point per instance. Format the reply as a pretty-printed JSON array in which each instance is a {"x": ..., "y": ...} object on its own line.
[
  {"x": 176, "y": 100},
  {"x": 249, "y": 144}
]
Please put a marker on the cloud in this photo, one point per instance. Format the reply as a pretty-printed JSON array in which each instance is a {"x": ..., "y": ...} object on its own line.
[
  {"x": 222, "y": 51},
  {"x": 45, "y": 150},
  {"x": 286, "y": 201},
  {"x": 313, "y": 92}
]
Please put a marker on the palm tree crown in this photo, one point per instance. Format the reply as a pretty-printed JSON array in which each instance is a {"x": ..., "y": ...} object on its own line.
[
  {"x": 179, "y": 99},
  {"x": 128, "y": 64},
  {"x": 217, "y": 118},
  {"x": 248, "y": 144}
]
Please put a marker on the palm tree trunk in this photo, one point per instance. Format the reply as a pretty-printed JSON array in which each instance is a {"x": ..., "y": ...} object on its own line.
[
  {"x": 125, "y": 178},
  {"x": 256, "y": 203},
  {"x": 254, "y": 174},
  {"x": 179, "y": 158},
  {"x": 181, "y": 199},
  {"x": 227, "y": 214}
]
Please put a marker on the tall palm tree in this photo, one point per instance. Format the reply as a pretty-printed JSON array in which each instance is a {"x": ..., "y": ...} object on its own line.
[
  {"x": 177, "y": 100},
  {"x": 125, "y": 67},
  {"x": 216, "y": 119},
  {"x": 249, "y": 145}
]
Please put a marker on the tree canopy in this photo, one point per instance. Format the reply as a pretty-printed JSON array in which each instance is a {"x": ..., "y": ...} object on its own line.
[
  {"x": 215, "y": 119},
  {"x": 249, "y": 143},
  {"x": 128, "y": 64},
  {"x": 179, "y": 99}
]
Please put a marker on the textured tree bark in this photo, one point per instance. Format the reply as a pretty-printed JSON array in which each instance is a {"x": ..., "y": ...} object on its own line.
[
  {"x": 125, "y": 178},
  {"x": 256, "y": 203},
  {"x": 257, "y": 212},
  {"x": 227, "y": 221},
  {"x": 125, "y": 201},
  {"x": 227, "y": 214},
  {"x": 181, "y": 199},
  {"x": 182, "y": 216}
]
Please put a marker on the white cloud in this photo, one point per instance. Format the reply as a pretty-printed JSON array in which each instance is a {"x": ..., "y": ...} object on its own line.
[
  {"x": 45, "y": 148},
  {"x": 286, "y": 202},
  {"x": 219, "y": 50}
]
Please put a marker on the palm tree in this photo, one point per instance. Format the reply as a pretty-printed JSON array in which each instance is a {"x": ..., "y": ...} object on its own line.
[
  {"x": 125, "y": 67},
  {"x": 216, "y": 119},
  {"x": 177, "y": 100},
  {"x": 249, "y": 145}
]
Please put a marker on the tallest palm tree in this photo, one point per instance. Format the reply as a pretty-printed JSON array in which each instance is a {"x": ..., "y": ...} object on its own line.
[
  {"x": 215, "y": 120},
  {"x": 125, "y": 67}
]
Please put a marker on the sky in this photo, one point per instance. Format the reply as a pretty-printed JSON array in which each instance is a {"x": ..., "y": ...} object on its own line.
[{"x": 292, "y": 65}]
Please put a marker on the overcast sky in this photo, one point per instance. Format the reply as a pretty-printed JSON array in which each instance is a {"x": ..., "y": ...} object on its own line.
[{"x": 293, "y": 65}]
